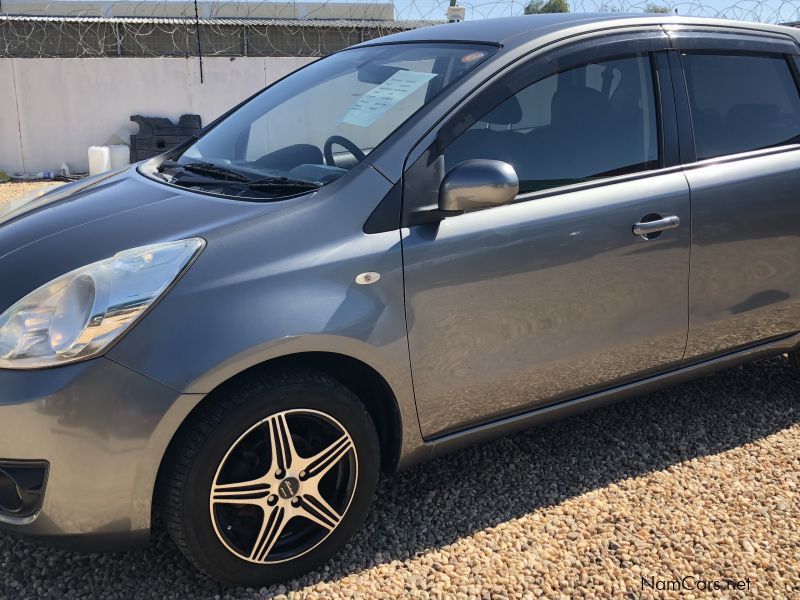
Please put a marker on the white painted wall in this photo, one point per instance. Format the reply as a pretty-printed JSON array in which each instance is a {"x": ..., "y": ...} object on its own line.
[
  {"x": 53, "y": 109},
  {"x": 10, "y": 148}
]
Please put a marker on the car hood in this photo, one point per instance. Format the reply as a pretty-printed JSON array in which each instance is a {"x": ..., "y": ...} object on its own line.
[
  {"x": 81, "y": 223},
  {"x": 18, "y": 207},
  {"x": 28, "y": 220}
]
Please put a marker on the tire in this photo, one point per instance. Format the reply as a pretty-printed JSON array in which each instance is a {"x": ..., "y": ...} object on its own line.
[{"x": 279, "y": 525}]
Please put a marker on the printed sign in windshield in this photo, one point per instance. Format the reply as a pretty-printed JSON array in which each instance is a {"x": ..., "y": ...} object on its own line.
[{"x": 384, "y": 96}]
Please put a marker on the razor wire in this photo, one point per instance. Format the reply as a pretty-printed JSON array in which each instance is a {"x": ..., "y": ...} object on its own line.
[
  {"x": 176, "y": 38},
  {"x": 64, "y": 29}
]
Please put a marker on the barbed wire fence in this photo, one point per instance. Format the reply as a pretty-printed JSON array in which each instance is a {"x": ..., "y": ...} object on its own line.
[{"x": 155, "y": 28}]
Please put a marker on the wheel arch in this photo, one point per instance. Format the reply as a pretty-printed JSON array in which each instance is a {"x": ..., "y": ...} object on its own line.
[{"x": 369, "y": 386}]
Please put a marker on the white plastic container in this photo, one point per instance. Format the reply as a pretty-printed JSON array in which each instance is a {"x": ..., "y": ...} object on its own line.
[
  {"x": 106, "y": 158},
  {"x": 99, "y": 159},
  {"x": 120, "y": 156}
]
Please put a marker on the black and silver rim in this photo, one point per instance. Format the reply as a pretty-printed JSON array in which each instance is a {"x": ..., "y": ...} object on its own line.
[{"x": 284, "y": 486}]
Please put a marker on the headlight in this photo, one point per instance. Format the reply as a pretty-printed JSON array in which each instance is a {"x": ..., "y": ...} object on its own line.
[{"x": 79, "y": 314}]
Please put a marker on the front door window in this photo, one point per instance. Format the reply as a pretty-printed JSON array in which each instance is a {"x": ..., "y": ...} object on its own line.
[{"x": 597, "y": 120}]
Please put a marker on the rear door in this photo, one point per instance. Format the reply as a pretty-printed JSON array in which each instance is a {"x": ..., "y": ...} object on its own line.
[
  {"x": 743, "y": 169},
  {"x": 554, "y": 296}
]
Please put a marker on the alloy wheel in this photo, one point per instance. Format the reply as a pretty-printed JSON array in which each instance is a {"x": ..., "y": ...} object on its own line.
[{"x": 284, "y": 486}]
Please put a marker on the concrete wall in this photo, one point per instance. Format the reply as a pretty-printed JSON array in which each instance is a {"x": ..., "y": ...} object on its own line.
[
  {"x": 205, "y": 8},
  {"x": 53, "y": 109}
]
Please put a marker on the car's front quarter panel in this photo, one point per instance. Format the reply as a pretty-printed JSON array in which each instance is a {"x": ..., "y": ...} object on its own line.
[{"x": 281, "y": 285}]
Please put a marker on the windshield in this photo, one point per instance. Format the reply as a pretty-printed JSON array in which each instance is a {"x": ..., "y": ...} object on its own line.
[{"x": 313, "y": 126}]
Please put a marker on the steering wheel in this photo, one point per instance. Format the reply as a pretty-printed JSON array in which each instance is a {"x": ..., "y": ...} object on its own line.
[{"x": 344, "y": 143}]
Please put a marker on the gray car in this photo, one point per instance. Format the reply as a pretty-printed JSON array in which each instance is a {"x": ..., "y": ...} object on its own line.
[{"x": 415, "y": 244}]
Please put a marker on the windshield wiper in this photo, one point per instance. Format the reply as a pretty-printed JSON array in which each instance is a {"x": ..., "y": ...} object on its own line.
[
  {"x": 232, "y": 176},
  {"x": 240, "y": 187},
  {"x": 283, "y": 182},
  {"x": 204, "y": 168}
]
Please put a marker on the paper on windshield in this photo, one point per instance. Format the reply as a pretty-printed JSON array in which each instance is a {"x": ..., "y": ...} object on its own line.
[{"x": 384, "y": 96}]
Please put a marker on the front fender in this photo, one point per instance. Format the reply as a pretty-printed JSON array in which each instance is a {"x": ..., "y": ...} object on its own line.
[
  {"x": 276, "y": 276},
  {"x": 276, "y": 286}
]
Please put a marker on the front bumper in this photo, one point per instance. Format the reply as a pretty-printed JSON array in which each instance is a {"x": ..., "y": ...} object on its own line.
[{"x": 103, "y": 430}]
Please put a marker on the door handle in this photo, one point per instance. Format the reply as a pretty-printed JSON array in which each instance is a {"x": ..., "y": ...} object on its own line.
[{"x": 647, "y": 228}]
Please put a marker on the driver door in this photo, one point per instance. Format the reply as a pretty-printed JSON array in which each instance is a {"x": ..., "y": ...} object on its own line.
[{"x": 551, "y": 297}]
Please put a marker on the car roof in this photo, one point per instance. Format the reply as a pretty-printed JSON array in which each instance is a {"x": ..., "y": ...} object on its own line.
[{"x": 529, "y": 27}]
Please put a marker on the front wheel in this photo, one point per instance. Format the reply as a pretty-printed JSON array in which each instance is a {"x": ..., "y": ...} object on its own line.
[{"x": 272, "y": 480}]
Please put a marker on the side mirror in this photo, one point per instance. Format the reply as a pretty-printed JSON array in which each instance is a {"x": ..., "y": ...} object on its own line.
[{"x": 479, "y": 183}]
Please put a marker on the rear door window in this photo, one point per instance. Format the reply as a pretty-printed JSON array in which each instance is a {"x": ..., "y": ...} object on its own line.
[{"x": 741, "y": 103}]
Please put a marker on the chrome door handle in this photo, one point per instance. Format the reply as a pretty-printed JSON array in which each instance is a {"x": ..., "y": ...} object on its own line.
[{"x": 645, "y": 228}]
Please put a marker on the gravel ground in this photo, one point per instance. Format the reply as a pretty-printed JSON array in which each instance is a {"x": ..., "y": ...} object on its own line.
[
  {"x": 699, "y": 480},
  {"x": 9, "y": 191}
]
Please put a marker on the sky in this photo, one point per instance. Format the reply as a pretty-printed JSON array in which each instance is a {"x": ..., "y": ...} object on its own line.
[{"x": 750, "y": 10}]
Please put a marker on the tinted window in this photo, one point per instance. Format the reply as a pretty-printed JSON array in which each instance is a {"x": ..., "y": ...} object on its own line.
[
  {"x": 593, "y": 121},
  {"x": 741, "y": 103}
]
